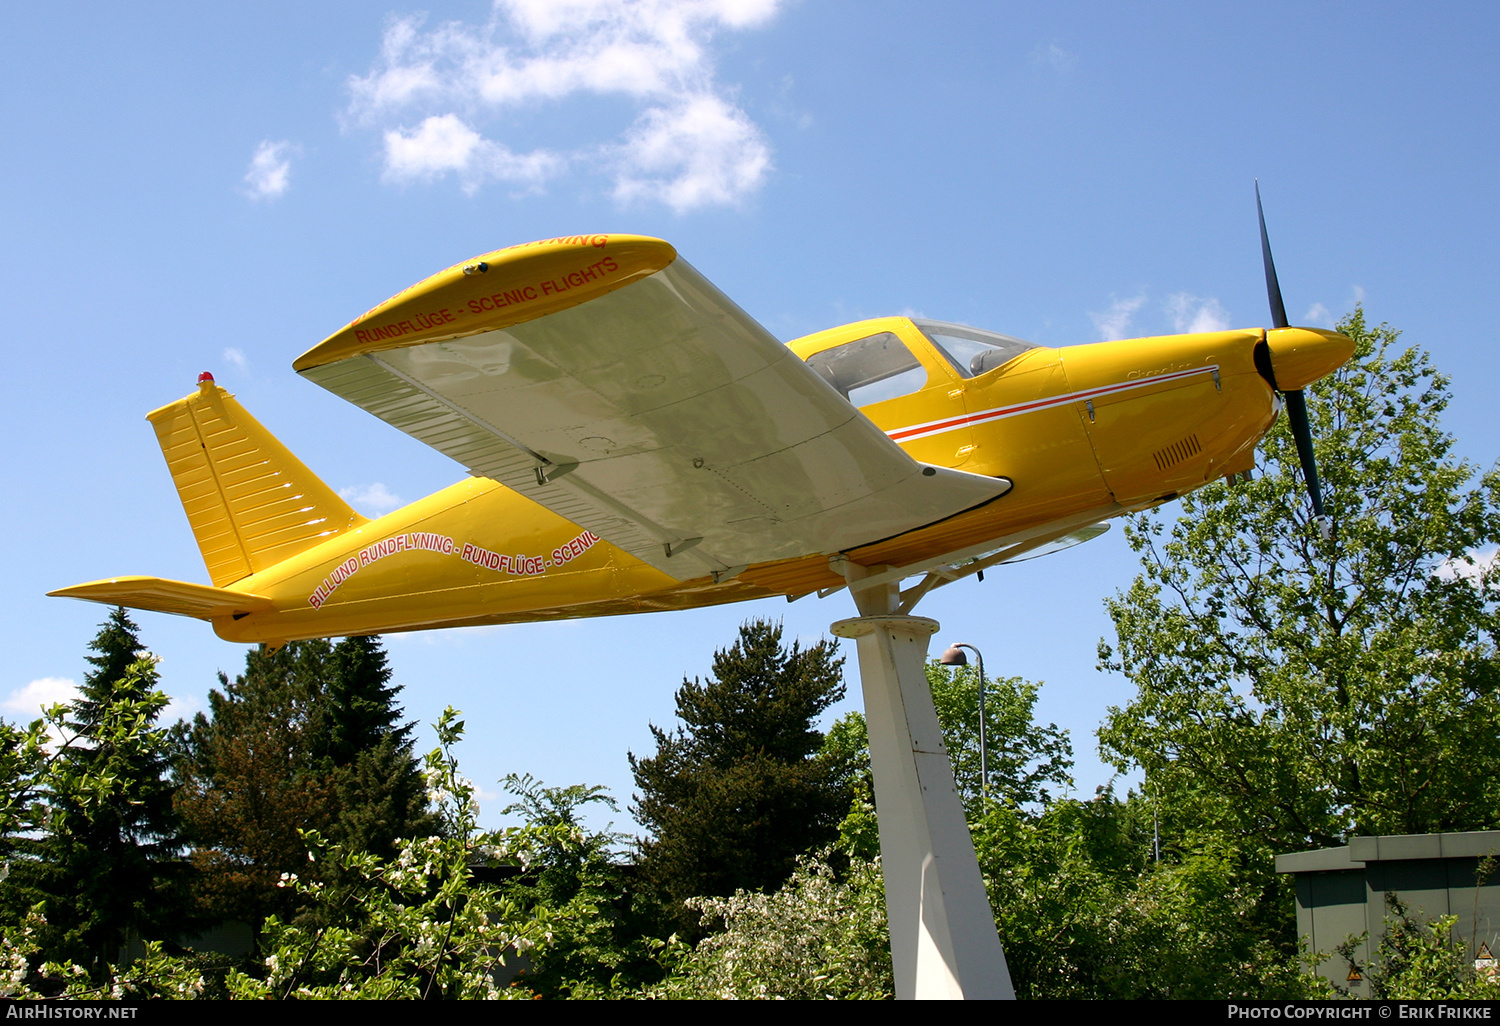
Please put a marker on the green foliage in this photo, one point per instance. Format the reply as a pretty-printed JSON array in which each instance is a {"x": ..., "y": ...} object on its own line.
[
  {"x": 94, "y": 839},
  {"x": 417, "y": 926},
  {"x": 381, "y": 793},
  {"x": 736, "y": 794},
  {"x": 25, "y": 976},
  {"x": 821, "y": 935},
  {"x": 1083, "y": 912},
  {"x": 248, "y": 784},
  {"x": 1296, "y": 689},
  {"x": 1028, "y": 762},
  {"x": 1418, "y": 961},
  {"x": 309, "y": 738},
  {"x": 600, "y": 935},
  {"x": 846, "y": 749},
  {"x": 359, "y": 708},
  {"x": 25, "y": 763},
  {"x": 1293, "y": 689}
]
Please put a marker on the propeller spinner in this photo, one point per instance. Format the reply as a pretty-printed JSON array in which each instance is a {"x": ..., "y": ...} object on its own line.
[{"x": 1299, "y": 356}]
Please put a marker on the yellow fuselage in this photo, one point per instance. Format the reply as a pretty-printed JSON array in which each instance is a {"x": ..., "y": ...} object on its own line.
[{"x": 1087, "y": 431}]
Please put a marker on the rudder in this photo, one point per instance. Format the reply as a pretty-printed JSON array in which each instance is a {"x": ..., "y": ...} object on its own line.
[{"x": 250, "y": 502}]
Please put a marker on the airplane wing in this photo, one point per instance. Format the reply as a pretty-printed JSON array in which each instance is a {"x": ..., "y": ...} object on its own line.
[{"x": 606, "y": 379}]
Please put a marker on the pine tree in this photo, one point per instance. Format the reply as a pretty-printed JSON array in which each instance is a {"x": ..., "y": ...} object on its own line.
[
  {"x": 106, "y": 864},
  {"x": 737, "y": 793},
  {"x": 361, "y": 701},
  {"x": 308, "y": 738},
  {"x": 381, "y": 793},
  {"x": 250, "y": 783}
]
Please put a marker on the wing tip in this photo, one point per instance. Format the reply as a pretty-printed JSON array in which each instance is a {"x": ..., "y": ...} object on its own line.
[{"x": 496, "y": 290}]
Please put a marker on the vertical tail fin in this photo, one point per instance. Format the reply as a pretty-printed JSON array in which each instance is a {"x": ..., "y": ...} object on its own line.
[{"x": 251, "y": 503}]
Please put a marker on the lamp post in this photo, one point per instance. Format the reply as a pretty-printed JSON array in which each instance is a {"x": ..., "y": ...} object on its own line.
[{"x": 954, "y": 656}]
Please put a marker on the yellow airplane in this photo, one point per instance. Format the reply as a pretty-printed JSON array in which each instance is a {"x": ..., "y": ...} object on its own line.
[{"x": 635, "y": 441}]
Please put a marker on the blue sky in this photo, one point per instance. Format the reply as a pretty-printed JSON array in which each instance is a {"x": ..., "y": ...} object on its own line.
[{"x": 190, "y": 188}]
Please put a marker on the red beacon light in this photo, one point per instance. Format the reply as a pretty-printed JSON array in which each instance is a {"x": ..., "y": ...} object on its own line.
[{"x": 205, "y": 377}]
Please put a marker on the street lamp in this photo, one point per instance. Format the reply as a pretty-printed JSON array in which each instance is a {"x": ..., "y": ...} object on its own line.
[{"x": 955, "y": 657}]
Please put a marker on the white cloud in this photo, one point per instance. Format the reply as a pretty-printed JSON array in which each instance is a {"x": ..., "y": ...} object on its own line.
[
  {"x": 270, "y": 170},
  {"x": 1194, "y": 313},
  {"x": 375, "y": 497},
  {"x": 1359, "y": 294},
  {"x": 688, "y": 144},
  {"x": 26, "y": 703},
  {"x": 1475, "y": 568},
  {"x": 1318, "y": 315},
  {"x": 444, "y": 143},
  {"x": 703, "y": 152},
  {"x": 235, "y": 357},
  {"x": 1115, "y": 322},
  {"x": 179, "y": 709},
  {"x": 441, "y": 144},
  {"x": 1054, "y": 57}
]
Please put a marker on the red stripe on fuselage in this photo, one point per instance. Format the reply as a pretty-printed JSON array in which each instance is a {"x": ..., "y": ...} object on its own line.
[{"x": 937, "y": 427}]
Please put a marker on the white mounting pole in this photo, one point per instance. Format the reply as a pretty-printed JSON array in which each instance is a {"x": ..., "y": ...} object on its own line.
[{"x": 943, "y": 940}]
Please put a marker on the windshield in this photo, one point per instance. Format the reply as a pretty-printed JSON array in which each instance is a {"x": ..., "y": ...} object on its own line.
[{"x": 972, "y": 350}]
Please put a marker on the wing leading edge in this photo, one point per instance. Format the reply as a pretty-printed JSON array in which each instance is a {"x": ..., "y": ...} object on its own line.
[{"x": 641, "y": 404}]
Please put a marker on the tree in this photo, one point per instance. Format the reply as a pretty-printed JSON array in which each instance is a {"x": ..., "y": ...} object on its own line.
[
  {"x": 1421, "y": 961},
  {"x": 1297, "y": 688},
  {"x": 382, "y": 795},
  {"x": 105, "y": 863},
  {"x": 1028, "y": 762},
  {"x": 1084, "y": 911},
  {"x": 822, "y": 935},
  {"x": 415, "y": 926},
  {"x": 308, "y": 738},
  {"x": 734, "y": 795},
  {"x": 1082, "y": 906},
  {"x": 250, "y": 782},
  {"x": 600, "y": 943},
  {"x": 359, "y": 706}
]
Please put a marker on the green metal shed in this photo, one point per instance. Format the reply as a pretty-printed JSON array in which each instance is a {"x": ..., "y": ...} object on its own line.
[{"x": 1341, "y": 892}]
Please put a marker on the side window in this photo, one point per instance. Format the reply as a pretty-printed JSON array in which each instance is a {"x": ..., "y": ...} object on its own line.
[{"x": 871, "y": 370}]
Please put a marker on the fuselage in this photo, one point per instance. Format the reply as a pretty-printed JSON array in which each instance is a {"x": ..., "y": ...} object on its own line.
[{"x": 1083, "y": 432}]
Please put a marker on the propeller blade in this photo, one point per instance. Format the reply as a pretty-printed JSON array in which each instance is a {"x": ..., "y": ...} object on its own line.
[
  {"x": 1296, "y": 412},
  {"x": 1273, "y": 287},
  {"x": 1296, "y": 402}
]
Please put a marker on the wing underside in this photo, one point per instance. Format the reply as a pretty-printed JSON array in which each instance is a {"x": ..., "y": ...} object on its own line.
[{"x": 664, "y": 419}]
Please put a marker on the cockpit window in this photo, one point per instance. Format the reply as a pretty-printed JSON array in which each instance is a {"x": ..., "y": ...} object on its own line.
[
  {"x": 870, "y": 370},
  {"x": 971, "y": 350}
]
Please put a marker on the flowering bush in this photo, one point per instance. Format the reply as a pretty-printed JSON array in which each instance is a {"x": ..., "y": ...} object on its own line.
[
  {"x": 821, "y": 936},
  {"x": 416, "y": 926}
]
